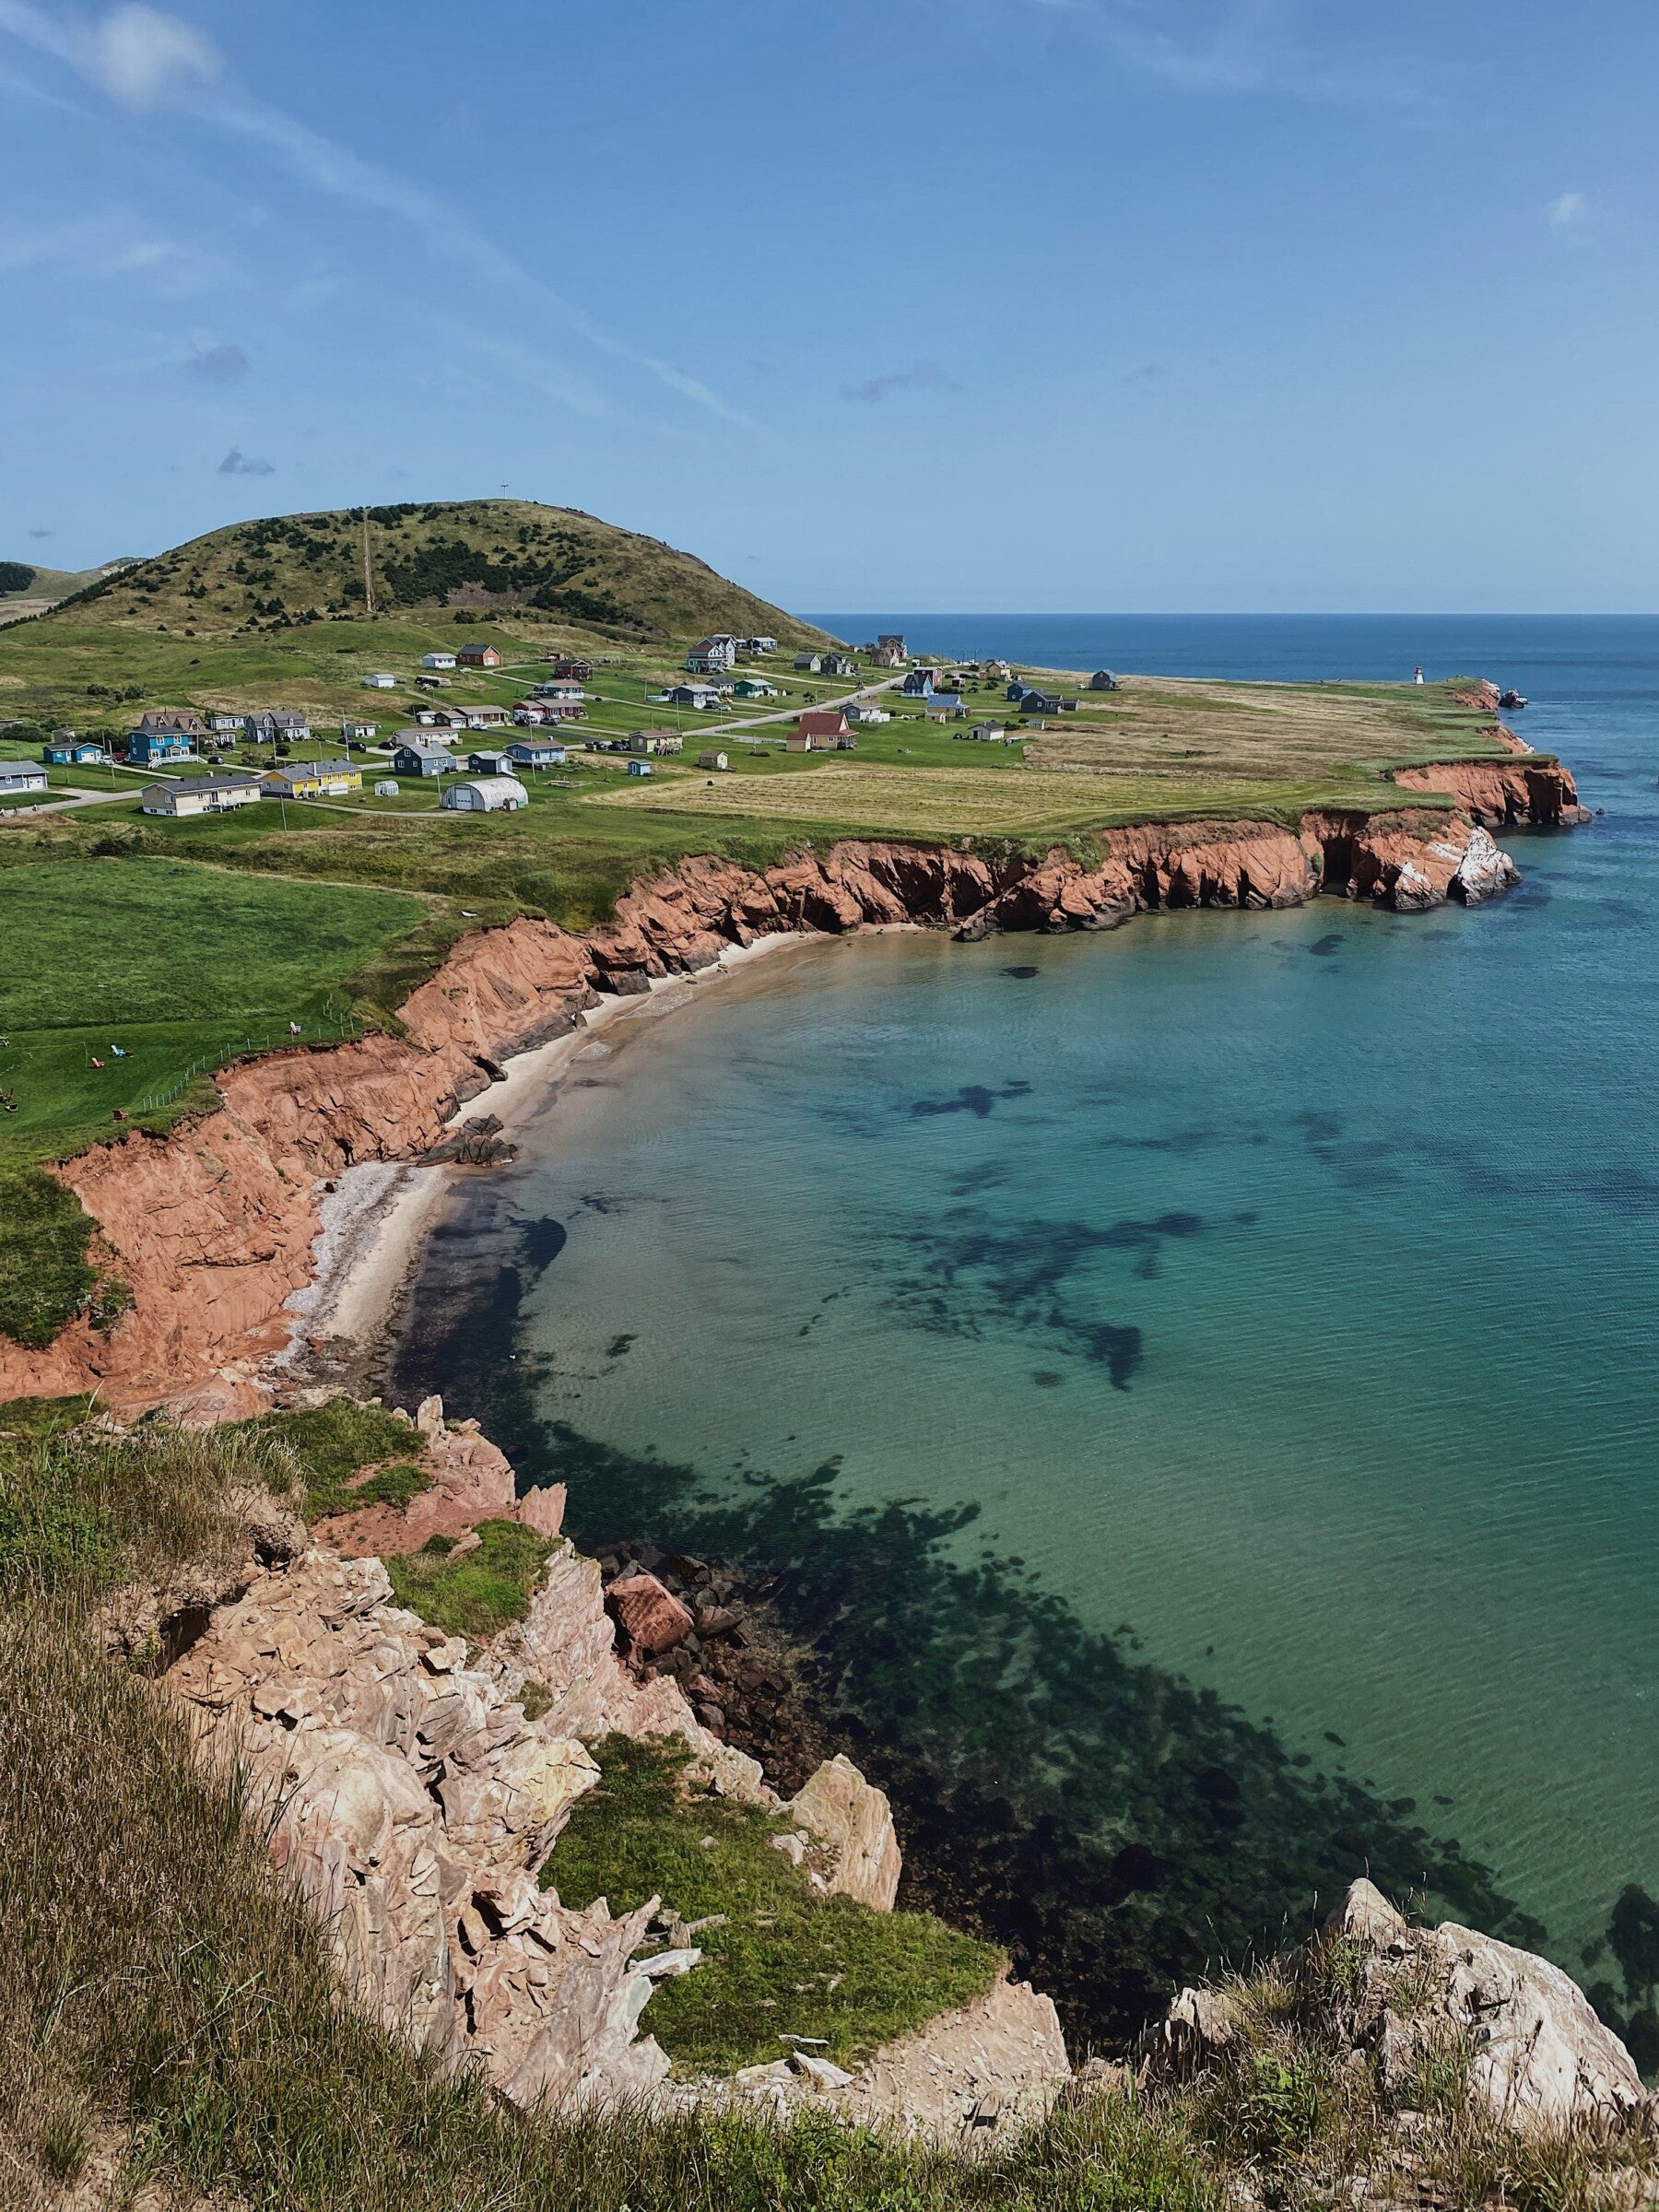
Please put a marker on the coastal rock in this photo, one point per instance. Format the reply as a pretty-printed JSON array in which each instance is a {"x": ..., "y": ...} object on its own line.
[
  {"x": 975, "y": 2076},
  {"x": 1502, "y": 793},
  {"x": 853, "y": 1819},
  {"x": 414, "y": 1804},
  {"x": 472, "y": 1481},
  {"x": 1542, "y": 2062},
  {"x": 1539, "y": 2061},
  {"x": 651, "y": 1620}
]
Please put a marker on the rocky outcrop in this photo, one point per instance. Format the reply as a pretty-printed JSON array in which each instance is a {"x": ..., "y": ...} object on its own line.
[
  {"x": 413, "y": 1804},
  {"x": 1502, "y": 793},
  {"x": 853, "y": 1821},
  {"x": 212, "y": 1228},
  {"x": 471, "y": 1482},
  {"x": 1536, "y": 2058},
  {"x": 977, "y": 2074},
  {"x": 1540, "y": 2060}
]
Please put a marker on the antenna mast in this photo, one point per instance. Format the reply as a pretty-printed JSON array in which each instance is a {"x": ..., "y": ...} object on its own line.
[{"x": 368, "y": 573}]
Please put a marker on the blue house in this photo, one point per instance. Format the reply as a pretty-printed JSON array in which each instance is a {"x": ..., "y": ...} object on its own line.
[
  {"x": 150, "y": 748},
  {"x": 71, "y": 752},
  {"x": 919, "y": 683}
]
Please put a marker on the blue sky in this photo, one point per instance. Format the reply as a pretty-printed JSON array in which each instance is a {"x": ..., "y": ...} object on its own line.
[{"x": 945, "y": 304}]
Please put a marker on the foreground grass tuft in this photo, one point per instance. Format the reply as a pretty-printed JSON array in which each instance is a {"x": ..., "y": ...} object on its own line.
[
  {"x": 783, "y": 1960},
  {"x": 333, "y": 1443}
]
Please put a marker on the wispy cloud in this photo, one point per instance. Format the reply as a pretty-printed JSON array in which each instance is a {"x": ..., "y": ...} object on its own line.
[
  {"x": 40, "y": 533},
  {"x": 238, "y": 463},
  {"x": 1232, "y": 46},
  {"x": 104, "y": 243},
  {"x": 926, "y": 376},
  {"x": 221, "y": 364},
  {"x": 147, "y": 59},
  {"x": 1567, "y": 212}
]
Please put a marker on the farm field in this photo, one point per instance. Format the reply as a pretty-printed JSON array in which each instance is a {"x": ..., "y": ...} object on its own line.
[{"x": 180, "y": 967}]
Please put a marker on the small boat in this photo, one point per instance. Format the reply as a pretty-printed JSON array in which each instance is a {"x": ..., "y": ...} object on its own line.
[{"x": 1511, "y": 701}]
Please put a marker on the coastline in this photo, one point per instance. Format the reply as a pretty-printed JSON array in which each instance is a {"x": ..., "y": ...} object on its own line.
[{"x": 377, "y": 1218}]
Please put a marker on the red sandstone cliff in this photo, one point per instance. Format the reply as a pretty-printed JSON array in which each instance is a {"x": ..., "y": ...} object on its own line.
[
  {"x": 213, "y": 1226},
  {"x": 1502, "y": 793}
]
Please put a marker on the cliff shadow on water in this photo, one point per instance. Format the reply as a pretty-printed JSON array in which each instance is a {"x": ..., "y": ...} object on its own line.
[{"x": 1120, "y": 1829}]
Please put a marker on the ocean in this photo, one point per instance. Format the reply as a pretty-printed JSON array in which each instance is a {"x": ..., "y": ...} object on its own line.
[{"x": 1196, "y": 1384}]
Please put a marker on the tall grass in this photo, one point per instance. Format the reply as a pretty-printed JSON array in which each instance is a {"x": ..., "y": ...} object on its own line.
[{"x": 164, "y": 1990}]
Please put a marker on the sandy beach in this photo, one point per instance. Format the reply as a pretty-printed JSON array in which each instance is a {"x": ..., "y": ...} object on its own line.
[{"x": 376, "y": 1216}]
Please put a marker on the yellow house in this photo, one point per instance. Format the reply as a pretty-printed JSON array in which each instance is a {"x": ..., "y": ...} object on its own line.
[{"x": 311, "y": 779}]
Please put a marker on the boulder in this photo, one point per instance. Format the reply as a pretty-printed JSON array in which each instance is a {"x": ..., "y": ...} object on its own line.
[
  {"x": 853, "y": 1819},
  {"x": 651, "y": 1617},
  {"x": 543, "y": 1510}
]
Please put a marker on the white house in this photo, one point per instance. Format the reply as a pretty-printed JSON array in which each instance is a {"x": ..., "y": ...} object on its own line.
[
  {"x": 712, "y": 656},
  {"x": 485, "y": 795},
  {"x": 380, "y": 681},
  {"x": 437, "y": 660},
  {"x": 201, "y": 795},
  {"x": 358, "y": 733}
]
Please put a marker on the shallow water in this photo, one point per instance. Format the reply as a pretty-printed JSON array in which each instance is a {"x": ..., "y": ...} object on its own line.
[{"x": 1281, "y": 1285}]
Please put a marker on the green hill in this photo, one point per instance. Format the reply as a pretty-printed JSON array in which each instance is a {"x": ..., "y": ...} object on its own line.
[
  {"x": 498, "y": 556},
  {"x": 25, "y": 586}
]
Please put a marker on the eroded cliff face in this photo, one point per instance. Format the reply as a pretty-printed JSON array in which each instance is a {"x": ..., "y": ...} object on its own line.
[
  {"x": 1501, "y": 794},
  {"x": 212, "y": 1227}
]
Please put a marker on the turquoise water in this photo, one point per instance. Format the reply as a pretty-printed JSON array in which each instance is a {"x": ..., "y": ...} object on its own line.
[{"x": 1278, "y": 1285}]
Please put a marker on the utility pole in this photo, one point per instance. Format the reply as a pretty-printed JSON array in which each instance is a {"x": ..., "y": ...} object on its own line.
[{"x": 368, "y": 573}]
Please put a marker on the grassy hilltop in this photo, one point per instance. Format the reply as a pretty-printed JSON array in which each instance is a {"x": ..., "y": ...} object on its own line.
[{"x": 261, "y": 578}]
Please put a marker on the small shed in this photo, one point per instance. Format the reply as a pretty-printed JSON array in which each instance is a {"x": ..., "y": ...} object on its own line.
[
  {"x": 639, "y": 768},
  {"x": 385, "y": 789},
  {"x": 491, "y": 763},
  {"x": 485, "y": 795},
  {"x": 437, "y": 660},
  {"x": 381, "y": 680},
  {"x": 808, "y": 664},
  {"x": 717, "y": 760}
]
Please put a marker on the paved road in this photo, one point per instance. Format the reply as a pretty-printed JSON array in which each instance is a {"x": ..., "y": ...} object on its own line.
[{"x": 11, "y": 818}]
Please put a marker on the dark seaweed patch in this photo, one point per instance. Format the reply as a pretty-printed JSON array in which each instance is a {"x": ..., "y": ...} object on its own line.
[
  {"x": 1020, "y": 975},
  {"x": 1327, "y": 947},
  {"x": 973, "y": 1097}
]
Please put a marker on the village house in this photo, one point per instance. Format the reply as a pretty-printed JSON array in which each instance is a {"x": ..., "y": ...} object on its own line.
[
  {"x": 487, "y": 718},
  {"x": 920, "y": 683},
  {"x": 358, "y": 733},
  {"x": 16, "y": 777},
  {"x": 754, "y": 687},
  {"x": 991, "y": 733},
  {"x": 280, "y": 726},
  {"x": 536, "y": 752},
  {"x": 716, "y": 760},
  {"x": 945, "y": 706},
  {"x": 838, "y": 664},
  {"x": 530, "y": 713},
  {"x": 485, "y": 795},
  {"x": 311, "y": 779},
  {"x": 416, "y": 754},
  {"x": 215, "y": 793},
  {"x": 761, "y": 646},
  {"x": 656, "y": 741},
  {"x": 560, "y": 687},
  {"x": 794, "y": 742},
  {"x": 564, "y": 665},
  {"x": 1103, "y": 680},
  {"x": 808, "y": 664},
  {"x": 381, "y": 680},
  {"x": 478, "y": 656},
  {"x": 490, "y": 762},
  {"x": 866, "y": 711},
  {"x": 173, "y": 734},
  {"x": 823, "y": 725},
  {"x": 996, "y": 672},
  {"x": 225, "y": 727},
  {"x": 64, "y": 749},
  {"x": 712, "y": 656},
  {"x": 639, "y": 768},
  {"x": 702, "y": 697},
  {"x": 437, "y": 660}
]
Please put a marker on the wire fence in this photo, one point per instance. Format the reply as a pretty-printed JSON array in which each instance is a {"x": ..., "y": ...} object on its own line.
[{"x": 336, "y": 1025}]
